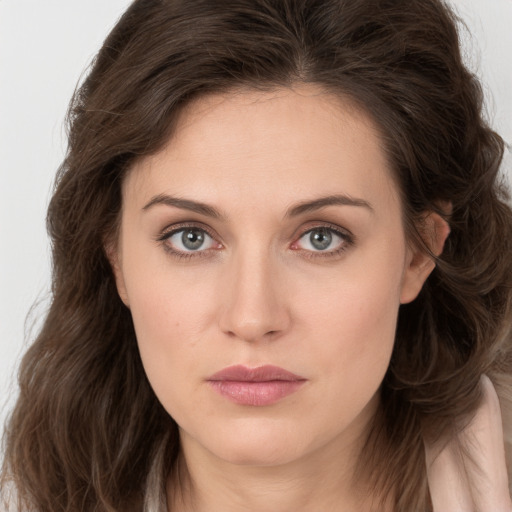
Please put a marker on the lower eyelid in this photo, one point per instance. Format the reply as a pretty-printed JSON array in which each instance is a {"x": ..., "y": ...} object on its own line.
[{"x": 327, "y": 255}]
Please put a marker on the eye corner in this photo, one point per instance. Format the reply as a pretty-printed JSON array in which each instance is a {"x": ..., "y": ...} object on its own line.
[{"x": 294, "y": 245}]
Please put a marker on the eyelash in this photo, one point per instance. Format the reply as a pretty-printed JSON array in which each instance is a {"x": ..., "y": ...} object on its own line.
[{"x": 347, "y": 238}]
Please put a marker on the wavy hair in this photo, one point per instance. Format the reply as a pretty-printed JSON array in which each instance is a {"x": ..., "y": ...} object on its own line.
[{"x": 87, "y": 426}]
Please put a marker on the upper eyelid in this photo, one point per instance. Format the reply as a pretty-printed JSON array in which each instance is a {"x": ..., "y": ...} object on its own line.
[
  {"x": 327, "y": 225},
  {"x": 181, "y": 226}
]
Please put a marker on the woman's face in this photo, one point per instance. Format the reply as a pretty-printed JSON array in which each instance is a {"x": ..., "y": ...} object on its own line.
[{"x": 267, "y": 232}]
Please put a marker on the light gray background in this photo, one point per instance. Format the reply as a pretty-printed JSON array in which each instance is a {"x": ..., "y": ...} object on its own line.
[{"x": 44, "y": 48}]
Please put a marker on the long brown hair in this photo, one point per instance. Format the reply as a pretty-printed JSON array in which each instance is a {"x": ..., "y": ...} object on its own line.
[{"x": 87, "y": 426}]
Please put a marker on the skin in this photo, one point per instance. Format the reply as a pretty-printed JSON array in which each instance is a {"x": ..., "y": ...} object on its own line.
[{"x": 258, "y": 292}]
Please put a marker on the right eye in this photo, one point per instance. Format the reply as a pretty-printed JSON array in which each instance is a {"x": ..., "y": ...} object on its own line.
[
  {"x": 322, "y": 239},
  {"x": 189, "y": 240}
]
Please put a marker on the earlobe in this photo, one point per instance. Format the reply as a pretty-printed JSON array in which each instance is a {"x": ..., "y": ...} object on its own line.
[
  {"x": 114, "y": 259},
  {"x": 419, "y": 264}
]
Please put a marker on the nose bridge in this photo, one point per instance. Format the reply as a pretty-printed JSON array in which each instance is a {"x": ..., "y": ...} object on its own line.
[{"x": 254, "y": 305}]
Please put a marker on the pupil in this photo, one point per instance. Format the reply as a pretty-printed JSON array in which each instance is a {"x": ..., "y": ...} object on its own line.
[
  {"x": 192, "y": 239},
  {"x": 321, "y": 239}
]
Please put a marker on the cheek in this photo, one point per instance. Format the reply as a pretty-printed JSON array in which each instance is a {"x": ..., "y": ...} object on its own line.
[
  {"x": 169, "y": 318},
  {"x": 169, "y": 340},
  {"x": 354, "y": 323},
  {"x": 361, "y": 327}
]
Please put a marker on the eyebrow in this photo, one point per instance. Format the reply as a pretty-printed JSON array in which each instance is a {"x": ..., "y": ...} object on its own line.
[
  {"x": 322, "y": 202},
  {"x": 184, "y": 204},
  {"x": 299, "y": 209}
]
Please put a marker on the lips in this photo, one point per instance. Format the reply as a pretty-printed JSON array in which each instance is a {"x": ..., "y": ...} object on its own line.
[{"x": 260, "y": 386}]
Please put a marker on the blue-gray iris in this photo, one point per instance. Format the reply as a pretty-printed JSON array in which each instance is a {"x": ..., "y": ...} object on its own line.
[
  {"x": 192, "y": 239},
  {"x": 320, "y": 239}
]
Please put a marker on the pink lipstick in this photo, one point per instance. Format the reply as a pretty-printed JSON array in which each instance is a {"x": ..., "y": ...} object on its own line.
[{"x": 260, "y": 386}]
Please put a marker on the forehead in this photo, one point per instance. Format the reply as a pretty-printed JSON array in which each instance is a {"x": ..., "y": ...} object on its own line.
[{"x": 281, "y": 144}]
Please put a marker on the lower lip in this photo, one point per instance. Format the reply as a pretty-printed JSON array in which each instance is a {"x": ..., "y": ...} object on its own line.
[{"x": 256, "y": 393}]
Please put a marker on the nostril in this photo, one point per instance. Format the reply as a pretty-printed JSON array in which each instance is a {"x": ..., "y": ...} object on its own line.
[{"x": 252, "y": 336}]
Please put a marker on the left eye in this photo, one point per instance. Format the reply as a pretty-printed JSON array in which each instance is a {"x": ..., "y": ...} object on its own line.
[
  {"x": 190, "y": 240},
  {"x": 321, "y": 239}
]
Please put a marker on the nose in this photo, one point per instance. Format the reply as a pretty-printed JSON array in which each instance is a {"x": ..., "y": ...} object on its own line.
[{"x": 254, "y": 302}]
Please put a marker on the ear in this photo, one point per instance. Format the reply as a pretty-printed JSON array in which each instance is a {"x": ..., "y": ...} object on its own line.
[
  {"x": 419, "y": 264},
  {"x": 114, "y": 258}
]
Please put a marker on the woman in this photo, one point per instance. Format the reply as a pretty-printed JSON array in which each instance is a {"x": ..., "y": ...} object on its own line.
[{"x": 281, "y": 269}]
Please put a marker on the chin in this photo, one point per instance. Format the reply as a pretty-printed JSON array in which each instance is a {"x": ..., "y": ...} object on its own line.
[
  {"x": 254, "y": 454},
  {"x": 256, "y": 443}
]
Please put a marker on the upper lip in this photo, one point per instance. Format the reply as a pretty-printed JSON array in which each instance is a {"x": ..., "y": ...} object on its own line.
[{"x": 266, "y": 373}]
